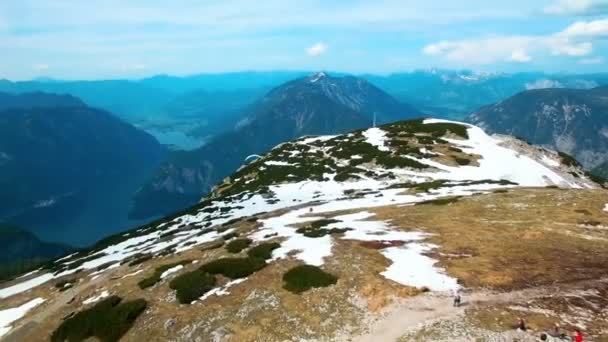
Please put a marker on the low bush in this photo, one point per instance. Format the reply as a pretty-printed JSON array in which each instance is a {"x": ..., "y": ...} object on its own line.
[
  {"x": 140, "y": 259},
  {"x": 440, "y": 201},
  {"x": 234, "y": 268},
  {"x": 568, "y": 160},
  {"x": 235, "y": 246},
  {"x": 213, "y": 245},
  {"x": 155, "y": 277},
  {"x": 65, "y": 284},
  {"x": 107, "y": 320},
  {"x": 192, "y": 285},
  {"x": 229, "y": 236},
  {"x": 304, "y": 277},
  {"x": 462, "y": 161},
  {"x": 313, "y": 232},
  {"x": 263, "y": 251},
  {"x": 323, "y": 222}
]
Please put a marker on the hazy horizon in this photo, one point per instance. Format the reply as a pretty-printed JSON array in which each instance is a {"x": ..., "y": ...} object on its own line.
[{"x": 118, "y": 40}]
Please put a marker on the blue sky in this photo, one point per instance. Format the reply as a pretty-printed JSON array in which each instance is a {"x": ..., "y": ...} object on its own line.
[{"x": 76, "y": 39}]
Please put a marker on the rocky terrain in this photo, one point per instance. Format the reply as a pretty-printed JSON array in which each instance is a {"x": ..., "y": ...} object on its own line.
[{"x": 362, "y": 236}]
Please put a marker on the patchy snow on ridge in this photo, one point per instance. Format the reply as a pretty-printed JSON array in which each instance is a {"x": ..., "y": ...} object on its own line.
[
  {"x": 102, "y": 295},
  {"x": 278, "y": 163},
  {"x": 8, "y": 316},
  {"x": 377, "y": 137},
  {"x": 497, "y": 162},
  {"x": 171, "y": 271},
  {"x": 26, "y": 285},
  {"x": 222, "y": 290},
  {"x": 322, "y": 197},
  {"x": 411, "y": 267}
]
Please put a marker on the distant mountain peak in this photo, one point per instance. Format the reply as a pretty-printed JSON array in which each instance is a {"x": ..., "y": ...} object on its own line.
[{"x": 315, "y": 77}]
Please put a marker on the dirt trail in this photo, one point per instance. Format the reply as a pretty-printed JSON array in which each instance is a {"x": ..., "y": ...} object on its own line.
[{"x": 409, "y": 314}]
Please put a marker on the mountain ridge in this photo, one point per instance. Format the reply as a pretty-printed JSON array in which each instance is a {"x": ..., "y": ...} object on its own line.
[
  {"x": 299, "y": 107},
  {"x": 328, "y": 228},
  {"x": 569, "y": 120}
]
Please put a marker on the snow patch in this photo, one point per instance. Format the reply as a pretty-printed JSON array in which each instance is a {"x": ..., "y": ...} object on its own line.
[
  {"x": 377, "y": 137},
  {"x": 26, "y": 285},
  {"x": 411, "y": 267},
  {"x": 222, "y": 290},
  {"x": 171, "y": 271},
  {"x": 278, "y": 163},
  {"x": 8, "y": 316},
  {"x": 102, "y": 295}
]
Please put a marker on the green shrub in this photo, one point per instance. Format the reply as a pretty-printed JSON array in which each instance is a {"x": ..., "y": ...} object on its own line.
[
  {"x": 263, "y": 251},
  {"x": 155, "y": 277},
  {"x": 313, "y": 232},
  {"x": 235, "y": 246},
  {"x": 234, "y": 268},
  {"x": 65, "y": 284},
  {"x": 323, "y": 222},
  {"x": 568, "y": 160},
  {"x": 213, "y": 245},
  {"x": 229, "y": 236},
  {"x": 140, "y": 259},
  {"x": 440, "y": 201},
  {"x": 107, "y": 320},
  {"x": 192, "y": 285},
  {"x": 462, "y": 161},
  {"x": 304, "y": 277}
]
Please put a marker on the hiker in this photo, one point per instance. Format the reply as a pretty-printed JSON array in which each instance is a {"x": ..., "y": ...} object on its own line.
[
  {"x": 556, "y": 331},
  {"x": 578, "y": 335},
  {"x": 457, "y": 299},
  {"x": 521, "y": 325}
]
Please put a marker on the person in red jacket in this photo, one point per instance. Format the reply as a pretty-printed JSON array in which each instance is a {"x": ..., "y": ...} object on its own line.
[{"x": 578, "y": 335}]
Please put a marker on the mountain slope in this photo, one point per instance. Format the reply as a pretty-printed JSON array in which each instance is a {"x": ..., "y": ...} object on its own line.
[
  {"x": 21, "y": 251},
  {"x": 574, "y": 121},
  {"x": 318, "y": 237},
  {"x": 56, "y": 160},
  {"x": 318, "y": 104}
]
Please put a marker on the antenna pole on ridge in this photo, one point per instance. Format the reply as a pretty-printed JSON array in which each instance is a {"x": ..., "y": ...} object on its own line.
[{"x": 374, "y": 119}]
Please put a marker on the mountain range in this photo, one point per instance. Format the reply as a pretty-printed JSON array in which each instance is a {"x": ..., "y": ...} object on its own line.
[
  {"x": 316, "y": 104},
  {"x": 574, "y": 121},
  {"x": 187, "y": 111},
  {"x": 67, "y": 170}
]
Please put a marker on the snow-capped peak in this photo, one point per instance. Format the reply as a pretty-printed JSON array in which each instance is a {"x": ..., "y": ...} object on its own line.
[{"x": 314, "y": 78}]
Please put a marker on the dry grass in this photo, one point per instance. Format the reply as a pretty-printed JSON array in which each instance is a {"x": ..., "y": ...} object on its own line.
[
  {"x": 514, "y": 240},
  {"x": 502, "y": 241}
]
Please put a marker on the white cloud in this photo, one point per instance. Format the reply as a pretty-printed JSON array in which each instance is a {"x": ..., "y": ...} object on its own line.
[
  {"x": 317, "y": 49},
  {"x": 577, "y": 7},
  {"x": 520, "y": 55},
  {"x": 543, "y": 84},
  {"x": 575, "y": 40},
  {"x": 587, "y": 29},
  {"x": 592, "y": 61}
]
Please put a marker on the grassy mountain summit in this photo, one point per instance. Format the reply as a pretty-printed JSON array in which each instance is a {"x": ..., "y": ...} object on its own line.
[
  {"x": 338, "y": 237},
  {"x": 316, "y": 104}
]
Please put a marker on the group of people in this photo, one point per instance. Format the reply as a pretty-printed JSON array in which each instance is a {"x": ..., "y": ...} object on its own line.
[{"x": 556, "y": 334}]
